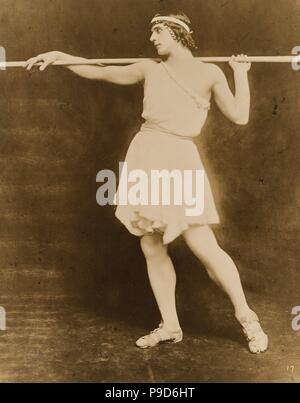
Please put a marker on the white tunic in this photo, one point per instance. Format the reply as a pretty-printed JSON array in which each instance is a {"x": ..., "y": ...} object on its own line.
[{"x": 173, "y": 117}]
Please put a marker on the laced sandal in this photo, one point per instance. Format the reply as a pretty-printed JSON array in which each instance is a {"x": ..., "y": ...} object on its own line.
[
  {"x": 159, "y": 335},
  {"x": 256, "y": 337}
]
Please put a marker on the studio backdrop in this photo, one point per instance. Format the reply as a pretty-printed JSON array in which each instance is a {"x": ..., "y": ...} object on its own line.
[{"x": 58, "y": 130}]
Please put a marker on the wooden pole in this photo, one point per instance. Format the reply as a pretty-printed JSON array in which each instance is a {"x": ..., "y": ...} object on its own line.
[{"x": 217, "y": 59}]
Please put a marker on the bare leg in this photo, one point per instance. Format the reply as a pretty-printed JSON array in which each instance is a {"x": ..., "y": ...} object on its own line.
[
  {"x": 223, "y": 271},
  {"x": 219, "y": 265},
  {"x": 162, "y": 278}
]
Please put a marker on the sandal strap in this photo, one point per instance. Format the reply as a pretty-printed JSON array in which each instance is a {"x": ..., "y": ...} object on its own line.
[
  {"x": 160, "y": 334},
  {"x": 251, "y": 326}
]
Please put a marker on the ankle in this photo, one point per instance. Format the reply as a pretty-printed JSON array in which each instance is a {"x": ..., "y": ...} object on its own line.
[
  {"x": 171, "y": 327},
  {"x": 241, "y": 314}
]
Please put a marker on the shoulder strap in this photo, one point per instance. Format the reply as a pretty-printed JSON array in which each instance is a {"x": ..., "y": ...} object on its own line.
[{"x": 200, "y": 102}]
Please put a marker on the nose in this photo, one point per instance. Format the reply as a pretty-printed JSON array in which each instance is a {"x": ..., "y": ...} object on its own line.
[{"x": 153, "y": 36}]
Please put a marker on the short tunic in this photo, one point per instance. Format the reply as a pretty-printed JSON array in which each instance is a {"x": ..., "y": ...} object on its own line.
[{"x": 173, "y": 116}]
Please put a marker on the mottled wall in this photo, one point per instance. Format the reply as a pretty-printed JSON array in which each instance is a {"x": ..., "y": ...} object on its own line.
[{"x": 58, "y": 130}]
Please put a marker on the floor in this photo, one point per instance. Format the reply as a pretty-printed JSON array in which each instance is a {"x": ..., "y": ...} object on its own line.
[{"x": 50, "y": 339}]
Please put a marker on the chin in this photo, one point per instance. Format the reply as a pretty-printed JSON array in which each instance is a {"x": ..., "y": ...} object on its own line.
[{"x": 162, "y": 52}]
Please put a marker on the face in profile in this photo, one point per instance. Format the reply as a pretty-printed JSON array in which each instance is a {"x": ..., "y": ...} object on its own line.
[{"x": 162, "y": 39}]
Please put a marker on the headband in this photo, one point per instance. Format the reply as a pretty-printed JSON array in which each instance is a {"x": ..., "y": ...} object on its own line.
[{"x": 171, "y": 19}]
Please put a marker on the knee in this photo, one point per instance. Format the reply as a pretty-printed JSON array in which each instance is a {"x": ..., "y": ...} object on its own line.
[{"x": 152, "y": 246}]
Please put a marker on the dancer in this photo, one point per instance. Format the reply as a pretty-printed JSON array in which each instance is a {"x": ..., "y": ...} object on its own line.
[{"x": 177, "y": 98}]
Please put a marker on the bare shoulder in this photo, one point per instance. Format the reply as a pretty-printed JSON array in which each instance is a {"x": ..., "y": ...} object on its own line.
[
  {"x": 214, "y": 72},
  {"x": 142, "y": 69},
  {"x": 146, "y": 65}
]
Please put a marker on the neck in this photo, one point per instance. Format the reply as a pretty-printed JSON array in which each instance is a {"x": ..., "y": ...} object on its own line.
[{"x": 179, "y": 53}]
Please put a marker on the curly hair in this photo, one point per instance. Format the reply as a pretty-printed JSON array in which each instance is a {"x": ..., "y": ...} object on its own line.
[{"x": 178, "y": 33}]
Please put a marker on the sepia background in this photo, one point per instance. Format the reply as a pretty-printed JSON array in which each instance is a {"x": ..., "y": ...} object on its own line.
[{"x": 72, "y": 279}]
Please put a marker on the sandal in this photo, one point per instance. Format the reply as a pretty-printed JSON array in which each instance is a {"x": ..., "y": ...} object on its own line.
[
  {"x": 257, "y": 339},
  {"x": 159, "y": 335}
]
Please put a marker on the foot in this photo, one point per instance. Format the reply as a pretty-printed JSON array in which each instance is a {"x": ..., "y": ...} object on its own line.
[
  {"x": 159, "y": 335},
  {"x": 257, "y": 339}
]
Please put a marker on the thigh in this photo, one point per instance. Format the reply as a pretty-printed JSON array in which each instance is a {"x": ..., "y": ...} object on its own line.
[
  {"x": 201, "y": 240},
  {"x": 152, "y": 244}
]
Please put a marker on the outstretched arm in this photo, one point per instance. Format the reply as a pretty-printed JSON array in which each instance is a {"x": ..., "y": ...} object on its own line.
[
  {"x": 237, "y": 107},
  {"x": 125, "y": 75}
]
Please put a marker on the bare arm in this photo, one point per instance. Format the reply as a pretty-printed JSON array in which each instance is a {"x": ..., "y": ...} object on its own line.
[
  {"x": 235, "y": 107},
  {"x": 125, "y": 75}
]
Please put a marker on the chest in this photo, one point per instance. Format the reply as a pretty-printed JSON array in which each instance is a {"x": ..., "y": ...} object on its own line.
[{"x": 194, "y": 76}]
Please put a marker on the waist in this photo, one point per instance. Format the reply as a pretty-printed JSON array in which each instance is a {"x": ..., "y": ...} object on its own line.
[{"x": 152, "y": 128}]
